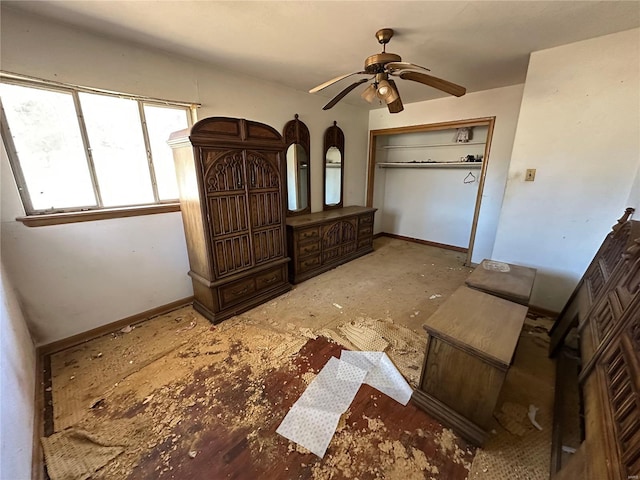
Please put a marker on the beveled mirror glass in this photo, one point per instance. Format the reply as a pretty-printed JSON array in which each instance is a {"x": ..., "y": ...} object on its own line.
[
  {"x": 333, "y": 173},
  {"x": 297, "y": 139}
]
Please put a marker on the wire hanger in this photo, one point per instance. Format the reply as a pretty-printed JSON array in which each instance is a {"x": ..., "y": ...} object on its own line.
[{"x": 473, "y": 178}]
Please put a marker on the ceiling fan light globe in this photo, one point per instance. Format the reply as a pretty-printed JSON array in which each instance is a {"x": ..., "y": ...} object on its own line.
[
  {"x": 384, "y": 89},
  {"x": 369, "y": 93},
  {"x": 386, "y": 92}
]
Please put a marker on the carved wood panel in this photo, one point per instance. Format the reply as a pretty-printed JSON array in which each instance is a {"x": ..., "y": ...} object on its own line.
[
  {"x": 232, "y": 254},
  {"x": 228, "y": 214},
  {"x": 622, "y": 371},
  {"x": 629, "y": 286},
  {"x": 266, "y": 208},
  {"x": 604, "y": 317},
  {"x": 595, "y": 281},
  {"x": 261, "y": 172},
  {"x": 223, "y": 171},
  {"x": 268, "y": 244},
  {"x": 348, "y": 237},
  {"x": 332, "y": 235}
]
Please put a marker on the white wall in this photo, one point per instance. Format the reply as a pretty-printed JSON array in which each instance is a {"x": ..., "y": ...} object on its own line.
[
  {"x": 634, "y": 196},
  {"x": 504, "y": 104},
  {"x": 429, "y": 204},
  {"x": 75, "y": 277},
  {"x": 17, "y": 384},
  {"x": 579, "y": 126}
]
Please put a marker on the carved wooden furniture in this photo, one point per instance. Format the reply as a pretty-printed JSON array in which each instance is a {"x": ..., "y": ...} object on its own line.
[
  {"x": 298, "y": 143},
  {"x": 320, "y": 241},
  {"x": 511, "y": 282},
  {"x": 230, "y": 175},
  {"x": 471, "y": 341},
  {"x": 606, "y": 363},
  {"x": 333, "y": 172}
]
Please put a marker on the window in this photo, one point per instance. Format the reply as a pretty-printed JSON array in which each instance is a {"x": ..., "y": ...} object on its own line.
[{"x": 75, "y": 150}]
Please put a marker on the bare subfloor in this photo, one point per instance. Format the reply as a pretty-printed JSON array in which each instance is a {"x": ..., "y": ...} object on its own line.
[{"x": 176, "y": 397}]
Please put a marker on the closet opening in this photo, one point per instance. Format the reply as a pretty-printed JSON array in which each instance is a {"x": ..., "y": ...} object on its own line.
[{"x": 427, "y": 181}]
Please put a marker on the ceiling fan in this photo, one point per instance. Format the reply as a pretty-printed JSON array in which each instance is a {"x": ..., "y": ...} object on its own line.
[{"x": 383, "y": 66}]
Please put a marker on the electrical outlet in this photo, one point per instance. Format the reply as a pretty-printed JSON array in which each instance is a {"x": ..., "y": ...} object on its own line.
[{"x": 530, "y": 175}]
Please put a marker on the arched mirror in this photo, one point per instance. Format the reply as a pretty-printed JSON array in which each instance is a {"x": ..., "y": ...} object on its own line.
[
  {"x": 297, "y": 141},
  {"x": 333, "y": 167}
]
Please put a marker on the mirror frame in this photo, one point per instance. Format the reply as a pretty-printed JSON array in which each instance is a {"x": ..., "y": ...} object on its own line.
[
  {"x": 333, "y": 137},
  {"x": 295, "y": 131}
]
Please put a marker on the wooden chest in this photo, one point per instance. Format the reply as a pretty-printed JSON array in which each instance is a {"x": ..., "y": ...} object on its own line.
[{"x": 471, "y": 341}]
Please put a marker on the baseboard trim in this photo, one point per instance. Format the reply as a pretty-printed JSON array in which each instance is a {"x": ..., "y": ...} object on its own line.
[
  {"x": 83, "y": 337},
  {"x": 37, "y": 455},
  {"x": 422, "y": 242}
]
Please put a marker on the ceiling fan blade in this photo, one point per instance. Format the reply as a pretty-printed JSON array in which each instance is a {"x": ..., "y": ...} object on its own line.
[
  {"x": 332, "y": 81},
  {"x": 395, "y": 106},
  {"x": 405, "y": 66},
  {"x": 434, "y": 82},
  {"x": 343, "y": 93}
]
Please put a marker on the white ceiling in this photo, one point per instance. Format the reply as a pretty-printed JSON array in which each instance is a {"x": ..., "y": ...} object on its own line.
[{"x": 477, "y": 44}]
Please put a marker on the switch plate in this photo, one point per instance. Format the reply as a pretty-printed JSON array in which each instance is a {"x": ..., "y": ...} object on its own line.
[{"x": 530, "y": 175}]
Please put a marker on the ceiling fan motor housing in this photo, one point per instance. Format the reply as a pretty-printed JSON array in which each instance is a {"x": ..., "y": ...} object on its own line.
[{"x": 375, "y": 63}]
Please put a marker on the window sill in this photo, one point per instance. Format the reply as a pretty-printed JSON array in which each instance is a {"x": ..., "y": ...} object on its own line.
[{"x": 93, "y": 215}]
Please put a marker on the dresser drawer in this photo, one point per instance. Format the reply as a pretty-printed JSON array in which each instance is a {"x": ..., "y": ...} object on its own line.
[
  {"x": 365, "y": 230},
  {"x": 308, "y": 234},
  {"x": 269, "y": 278},
  {"x": 308, "y": 263},
  {"x": 308, "y": 249},
  {"x": 365, "y": 242},
  {"x": 237, "y": 291},
  {"x": 365, "y": 220}
]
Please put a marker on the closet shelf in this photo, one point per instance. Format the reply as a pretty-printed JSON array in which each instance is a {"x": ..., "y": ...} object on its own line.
[
  {"x": 452, "y": 144},
  {"x": 463, "y": 165}
]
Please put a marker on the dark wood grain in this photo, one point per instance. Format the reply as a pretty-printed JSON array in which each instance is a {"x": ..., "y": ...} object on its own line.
[
  {"x": 320, "y": 241},
  {"x": 230, "y": 174}
]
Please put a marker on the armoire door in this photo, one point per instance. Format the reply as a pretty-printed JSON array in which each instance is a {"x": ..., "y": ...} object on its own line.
[
  {"x": 227, "y": 210},
  {"x": 265, "y": 205}
]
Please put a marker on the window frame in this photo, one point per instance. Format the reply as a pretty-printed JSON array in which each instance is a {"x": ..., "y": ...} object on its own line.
[{"x": 39, "y": 217}]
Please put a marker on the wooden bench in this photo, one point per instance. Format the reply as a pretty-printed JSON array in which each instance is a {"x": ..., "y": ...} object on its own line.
[{"x": 471, "y": 341}]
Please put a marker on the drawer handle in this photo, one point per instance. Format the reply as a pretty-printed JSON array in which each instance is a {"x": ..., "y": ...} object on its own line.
[
  {"x": 271, "y": 280},
  {"x": 309, "y": 263},
  {"x": 308, "y": 249},
  {"x": 309, "y": 235},
  {"x": 241, "y": 291}
]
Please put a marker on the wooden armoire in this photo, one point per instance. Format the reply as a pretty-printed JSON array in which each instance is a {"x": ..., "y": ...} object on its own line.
[{"x": 230, "y": 176}]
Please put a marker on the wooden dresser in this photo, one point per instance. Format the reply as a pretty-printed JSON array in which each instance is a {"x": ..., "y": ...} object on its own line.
[
  {"x": 597, "y": 344},
  {"x": 320, "y": 241},
  {"x": 231, "y": 195}
]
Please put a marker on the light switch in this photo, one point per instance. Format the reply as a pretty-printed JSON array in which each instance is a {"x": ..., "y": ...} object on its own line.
[{"x": 530, "y": 175}]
